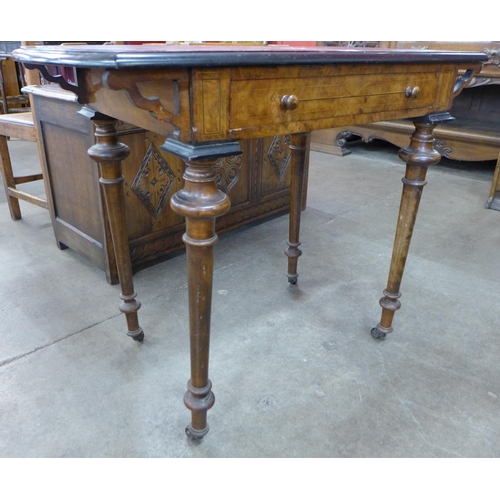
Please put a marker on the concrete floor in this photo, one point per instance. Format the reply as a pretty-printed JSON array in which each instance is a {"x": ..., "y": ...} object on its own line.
[{"x": 294, "y": 369}]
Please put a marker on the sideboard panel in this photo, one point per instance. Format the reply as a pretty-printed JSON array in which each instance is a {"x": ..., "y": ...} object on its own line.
[{"x": 257, "y": 182}]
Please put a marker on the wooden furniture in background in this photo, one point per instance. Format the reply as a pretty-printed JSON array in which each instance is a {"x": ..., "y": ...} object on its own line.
[
  {"x": 258, "y": 182},
  {"x": 207, "y": 99},
  {"x": 493, "y": 200},
  {"x": 474, "y": 135},
  {"x": 11, "y": 81},
  {"x": 19, "y": 126}
]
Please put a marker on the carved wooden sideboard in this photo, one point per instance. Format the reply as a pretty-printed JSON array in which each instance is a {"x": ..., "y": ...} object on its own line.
[
  {"x": 259, "y": 182},
  {"x": 474, "y": 135}
]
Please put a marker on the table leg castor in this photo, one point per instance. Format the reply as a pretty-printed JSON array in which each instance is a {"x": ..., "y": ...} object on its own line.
[
  {"x": 378, "y": 334},
  {"x": 195, "y": 434},
  {"x": 139, "y": 336}
]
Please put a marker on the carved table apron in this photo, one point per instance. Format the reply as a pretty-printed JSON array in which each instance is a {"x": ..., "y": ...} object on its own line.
[{"x": 205, "y": 99}]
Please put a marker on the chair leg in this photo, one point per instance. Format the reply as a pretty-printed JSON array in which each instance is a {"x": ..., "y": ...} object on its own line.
[
  {"x": 493, "y": 201},
  {"x": 8, "y": 179}
]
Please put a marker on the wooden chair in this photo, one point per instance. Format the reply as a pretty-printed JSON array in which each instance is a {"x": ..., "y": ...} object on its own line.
[{"x": 19, "y": 126}]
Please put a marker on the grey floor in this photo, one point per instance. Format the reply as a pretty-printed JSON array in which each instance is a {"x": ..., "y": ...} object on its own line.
[{"x": 294, "y": 369}]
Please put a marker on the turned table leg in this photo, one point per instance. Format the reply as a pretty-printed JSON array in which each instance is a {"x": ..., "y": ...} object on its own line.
[
  {"x": 298, "y": 148},
  {"x": 419, "y": 155},
  {"x": 108, "y": 152},
  {"x": 200, "y": 202}
]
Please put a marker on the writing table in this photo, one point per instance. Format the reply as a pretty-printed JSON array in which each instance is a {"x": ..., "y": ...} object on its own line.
[{"x": 205, "y": 99}]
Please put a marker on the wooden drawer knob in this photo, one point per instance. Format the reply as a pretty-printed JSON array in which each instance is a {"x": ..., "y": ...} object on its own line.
[
  {"x": 289, "y": 102},
  {"x": 412, "y": 91}
]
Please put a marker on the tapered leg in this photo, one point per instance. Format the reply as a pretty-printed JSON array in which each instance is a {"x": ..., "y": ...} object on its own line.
[
  {"x": 109, "y": 152},
  {"x": 298, "y": 148},
  {"x": 419, "y": 155},
  {"x": 200, "y": 202}
]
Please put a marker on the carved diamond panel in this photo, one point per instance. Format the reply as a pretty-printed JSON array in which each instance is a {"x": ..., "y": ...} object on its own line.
[
  {"x": 279, "y": 154},
  {"x": 227, "y": 171},
  {"x": 153, "y": 181}
]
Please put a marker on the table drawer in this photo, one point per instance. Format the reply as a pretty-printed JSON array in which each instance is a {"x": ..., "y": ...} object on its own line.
[
  {"x": 250, "y": 102},
  {"x": 266, "y": 101}
]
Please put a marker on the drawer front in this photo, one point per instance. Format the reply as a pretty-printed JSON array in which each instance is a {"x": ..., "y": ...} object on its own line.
[{"x": 267, "y": 102}]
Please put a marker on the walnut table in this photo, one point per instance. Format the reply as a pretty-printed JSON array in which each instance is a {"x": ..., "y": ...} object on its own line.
[{"x": 206, "y": 99}]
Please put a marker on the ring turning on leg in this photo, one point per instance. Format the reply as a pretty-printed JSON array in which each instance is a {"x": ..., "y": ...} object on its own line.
[
  {"x": 390, "y": 304},
  {"x": 199, "y": 401}
]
